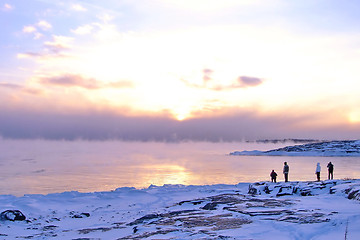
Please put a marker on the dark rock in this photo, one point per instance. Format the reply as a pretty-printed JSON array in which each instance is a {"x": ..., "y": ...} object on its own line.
[
  {"x": 49, "y": 227},
  {"x": 252, "y": 190},
  {"x": 192, "y": 202},
  {"x": 89, "y": 230},
  {"x": 176, "y": 213},
  {"x": 12, "y": 215},
  {"x": 354, "y": 194},
  {"x": 81, "y": 215},
  {"x": 332, "y": 191},
  {"x": 144, "y": 218},
  {"x": 210, "y": 206},
  {"x": 267, "y": 190},
  {"x": 265, "y": 212},
  {"x": 285, "y": 190},
  {"x": 305, "y": 192}
]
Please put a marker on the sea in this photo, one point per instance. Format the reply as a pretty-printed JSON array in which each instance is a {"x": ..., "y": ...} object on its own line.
[{"x": 46, "y": 166}]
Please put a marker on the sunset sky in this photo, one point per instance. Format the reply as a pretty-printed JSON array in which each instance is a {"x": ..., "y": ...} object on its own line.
[{"x": 173, "y": 70}]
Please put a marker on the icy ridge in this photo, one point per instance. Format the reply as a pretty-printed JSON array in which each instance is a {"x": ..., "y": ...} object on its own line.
[{"x": 328, "y": 149}]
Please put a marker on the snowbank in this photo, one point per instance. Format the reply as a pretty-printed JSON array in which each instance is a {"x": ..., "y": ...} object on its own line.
[{"x": 293, "y": 210}]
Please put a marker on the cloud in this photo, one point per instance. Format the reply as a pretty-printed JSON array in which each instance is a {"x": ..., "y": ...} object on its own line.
[
  {"x": 207, "y": 75},
  {"x": 52, "y": 49},
  {"x": 44, "y": 25},
  {"x": 120, "y": 84},
  {"x": 16, "y": 87},
  {"x": 32, "y": 30},
  {"x": 245, "y": 81},
  {"x": 73, "y": 80},
  {"x": 82, "y": 30},
  {"x": 31, "y": 55},
  {"x": 78, "y": 8},
  {"x": 7, "y": 7},
  {"x": 58, "y": 43},
  {"x": 29, "y": 29},
  {"x": 106, "y": 18},
  {"x": 9, "y": 86},
  {"x": 208, "y": 82}
]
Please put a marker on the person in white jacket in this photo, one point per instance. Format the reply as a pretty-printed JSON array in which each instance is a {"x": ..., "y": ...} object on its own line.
[{"x": 317, "y": 171}]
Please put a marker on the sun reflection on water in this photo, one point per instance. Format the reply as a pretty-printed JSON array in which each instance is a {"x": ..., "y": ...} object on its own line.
[{"x": 166, "y": 174}]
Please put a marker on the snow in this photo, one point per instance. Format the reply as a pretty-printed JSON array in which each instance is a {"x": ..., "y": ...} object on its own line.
[
  {"x": 293, "y": 210},
  {"x": 349, "y": 148}
]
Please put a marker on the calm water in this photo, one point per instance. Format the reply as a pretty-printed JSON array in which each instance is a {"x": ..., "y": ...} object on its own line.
[{"x": 38, "y": 166}]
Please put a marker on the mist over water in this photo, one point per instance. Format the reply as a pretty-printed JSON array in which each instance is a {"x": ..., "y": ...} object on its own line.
[{"x": 41, "y": 166}]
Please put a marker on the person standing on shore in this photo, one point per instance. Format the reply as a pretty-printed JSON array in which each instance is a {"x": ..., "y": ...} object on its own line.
[
  {"x": 286, "y": 171},
  {"x": 273, "y": 175},
  {"x": 317, "y": 171},
  {"x": 330, "y": 167}
]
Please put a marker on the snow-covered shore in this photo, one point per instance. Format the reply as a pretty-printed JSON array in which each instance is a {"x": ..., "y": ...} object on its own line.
[
  {"x": 349, "y": 148},
  {"x": 294, "y": 210}
]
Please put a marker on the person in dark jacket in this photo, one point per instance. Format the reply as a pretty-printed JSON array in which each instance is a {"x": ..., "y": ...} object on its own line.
[
  {"x": 330, "y": 167},
  {"x": 286, "y": 171},
  {"x": 317, "y": 171},
  {"x": 273, "y": 176}
]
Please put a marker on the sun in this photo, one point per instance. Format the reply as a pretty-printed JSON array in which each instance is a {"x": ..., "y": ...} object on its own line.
[
  {"x": 181, "y": 115},
  {"x": 354, "y": 117}
]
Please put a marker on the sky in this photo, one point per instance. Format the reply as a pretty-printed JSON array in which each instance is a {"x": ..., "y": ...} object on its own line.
[{"x": 173, "y": 70}]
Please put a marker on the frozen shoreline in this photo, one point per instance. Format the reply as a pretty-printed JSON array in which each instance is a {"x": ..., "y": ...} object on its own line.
[
  {"x": 348, "y": 148},
  {"x": 293, "y": 210}
]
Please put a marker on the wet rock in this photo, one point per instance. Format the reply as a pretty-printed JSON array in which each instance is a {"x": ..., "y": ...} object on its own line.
[{"x": 12, "y": 215}]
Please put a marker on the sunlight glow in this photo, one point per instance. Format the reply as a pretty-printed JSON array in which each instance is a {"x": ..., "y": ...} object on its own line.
[
  {"x": 354, "y": 117},
  {"x": 195, "y": 70}
]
